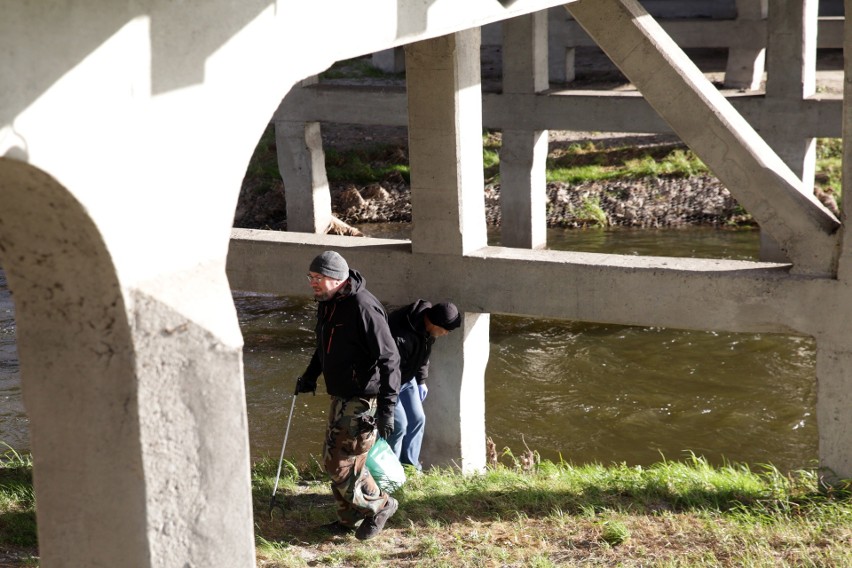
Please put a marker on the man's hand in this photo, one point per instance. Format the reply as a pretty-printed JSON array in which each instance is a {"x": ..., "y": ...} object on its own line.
[
  {"x": 424, "y": 390},
  {"x": 384, "y": 423},
  {"x": 302, "y": 385}
]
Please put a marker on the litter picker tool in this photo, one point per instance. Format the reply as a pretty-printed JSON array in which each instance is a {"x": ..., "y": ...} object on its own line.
[{"x": 272, "y": 502}]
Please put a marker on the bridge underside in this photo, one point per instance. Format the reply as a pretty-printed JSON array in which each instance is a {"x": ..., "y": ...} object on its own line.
[
  {"x": 116, "y": 221},
  {"x": 796, "y": 291}
]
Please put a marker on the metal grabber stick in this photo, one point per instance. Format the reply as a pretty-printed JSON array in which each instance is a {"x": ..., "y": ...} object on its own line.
[{"x": 281, "y": 459}]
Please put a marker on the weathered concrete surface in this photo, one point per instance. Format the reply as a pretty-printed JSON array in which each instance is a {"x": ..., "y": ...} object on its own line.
[
  {"x": 801, "y": 226},
  {"x": 116, "y": 120},
  {"x": 445, "y": 144},
  {"x": 523, "y": 153},
  {"x": 654, "y": 291}
]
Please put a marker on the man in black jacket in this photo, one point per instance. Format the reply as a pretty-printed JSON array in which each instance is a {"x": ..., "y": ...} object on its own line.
[
  {"x": 415, "y": 328},
  {"x": 358, "y": 357}
]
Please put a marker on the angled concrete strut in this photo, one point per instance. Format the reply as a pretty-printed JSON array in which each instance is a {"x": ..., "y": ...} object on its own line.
[{"x": 803, "y": 228}]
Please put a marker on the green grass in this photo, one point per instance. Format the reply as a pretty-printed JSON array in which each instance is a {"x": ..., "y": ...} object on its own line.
[
  {"x": 592, "y": 162},
  {"x": 532, "y": 513},
  {"x": 17, "y": 504},
  {"x": 576, "y": 163},
  {"x": 526, "y": 512}
]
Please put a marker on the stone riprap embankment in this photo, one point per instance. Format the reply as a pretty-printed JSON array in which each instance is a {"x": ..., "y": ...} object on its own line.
[{"x": 634, "y": 203}]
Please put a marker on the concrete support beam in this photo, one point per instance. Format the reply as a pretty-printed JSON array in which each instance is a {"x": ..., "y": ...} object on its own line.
[
  {"x": 523, "y": 189},
  {"x": 594, "y": 111},
  {"x": 745, "y": 66},
  {"x": 791, "y": 77},
  {"x": 792, "y": 56},
  {"x": 844, "y": 264},
  {"x": 561, "y": 50},
  {"x": 301, "y": 161},
  {"x": 698, "y": 293},
  {"x": 390, "y": 60},
  {"x": 455, "y": 409},
  {"x": 445, "y": 143},
  {"x": 834, "y": 408},
  {"x": 523, "y": 156},
  {"x": 135, "y": 394},
  {"x": 448, "y": 212},
  {"x": 733, "y": 34},
  {"x": 803, "y": 228}
]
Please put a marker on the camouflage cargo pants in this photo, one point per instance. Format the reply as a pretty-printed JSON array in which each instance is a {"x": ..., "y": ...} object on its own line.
[{"x": 350, "y": 435}]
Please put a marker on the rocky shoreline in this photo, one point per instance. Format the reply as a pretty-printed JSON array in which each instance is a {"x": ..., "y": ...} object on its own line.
[
  {"x": 642, "y": 203},
  {"x": 638, "y": 203}
]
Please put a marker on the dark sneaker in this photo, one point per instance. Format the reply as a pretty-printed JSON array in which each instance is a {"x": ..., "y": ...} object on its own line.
[
  {"x": 372, "y": 526},
  {"x": 336, "y": 528}
]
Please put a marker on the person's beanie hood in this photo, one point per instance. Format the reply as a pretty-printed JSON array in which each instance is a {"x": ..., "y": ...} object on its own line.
[
  {"x": 445, "y": 315},
  {"x": 330, "y": 264}
]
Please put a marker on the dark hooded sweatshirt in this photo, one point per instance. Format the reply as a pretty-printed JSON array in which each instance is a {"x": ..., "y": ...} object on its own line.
[
  {"x": 355, "y": 350},
  {"x": 412, "y": 340}
]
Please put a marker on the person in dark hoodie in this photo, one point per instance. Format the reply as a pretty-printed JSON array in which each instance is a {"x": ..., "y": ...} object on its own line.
[
  {"x": 415, "y": 328},
  {"x": 358, "y": 358}
]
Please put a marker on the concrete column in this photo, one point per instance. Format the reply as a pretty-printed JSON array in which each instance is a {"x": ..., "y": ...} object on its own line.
[
  {"x": 834, "y": 408},
  {"x": 561, "y": 59},
  {"x": 746, "y": 65},
  {"x": 445, "y": 144},
  {"x": 844, "y": 265},
  {"x": 301, "y": 161},
  {"x": 523, "y": 192},
  {"x": 791, "y": 62},
  {"x": 390, "y": 60},
  {"x": 135, "y": 394},
  {"x": 455, "y": 407}
]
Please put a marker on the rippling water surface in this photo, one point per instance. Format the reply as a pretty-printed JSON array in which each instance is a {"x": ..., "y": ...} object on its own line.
[
  {"x": 582, "y": 392},
  {"x": 13, "y": 421}
]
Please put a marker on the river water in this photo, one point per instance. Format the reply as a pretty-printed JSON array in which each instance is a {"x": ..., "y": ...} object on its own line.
[{"x": 574, "y": 391}]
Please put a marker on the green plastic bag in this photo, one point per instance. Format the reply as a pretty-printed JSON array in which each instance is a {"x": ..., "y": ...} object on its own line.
[{"x": 384, "y": 466}]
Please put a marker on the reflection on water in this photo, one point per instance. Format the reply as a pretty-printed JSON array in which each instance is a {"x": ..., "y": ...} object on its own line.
[{"x": 585, "y": 392}]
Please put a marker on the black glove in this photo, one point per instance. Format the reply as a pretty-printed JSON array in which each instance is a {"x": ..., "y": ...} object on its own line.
[
  {"x": 303, "y": 385},
  {"x": 384, "y": 423}
]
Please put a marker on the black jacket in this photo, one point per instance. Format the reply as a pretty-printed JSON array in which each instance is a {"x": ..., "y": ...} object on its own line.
[
  {"x": 355, "y": 351},
  {"x": 412, "y": 340}
]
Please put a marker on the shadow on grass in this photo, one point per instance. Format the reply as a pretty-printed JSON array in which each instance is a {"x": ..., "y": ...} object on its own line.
[{"x": 453, "y": 499}]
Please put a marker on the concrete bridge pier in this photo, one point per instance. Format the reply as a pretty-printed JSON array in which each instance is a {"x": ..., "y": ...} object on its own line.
[
  {"x": 745, "y": 65},
  {"x": 301, "y": 161},
  {"x": 834, "y": 399},
  {"x": 448, "y": 214},
  {"x": 792, "y": 42},
  {"x": 523, "y": 155},
  {"x": 390, "y": 60}
]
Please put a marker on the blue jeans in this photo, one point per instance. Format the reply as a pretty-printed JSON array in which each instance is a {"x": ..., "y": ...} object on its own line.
[{"x": 409, "y": 423}]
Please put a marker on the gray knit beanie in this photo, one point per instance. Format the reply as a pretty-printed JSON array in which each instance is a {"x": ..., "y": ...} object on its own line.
[
  {"x": 331, "y": 264},
  {"x": 445, "y": 315}
]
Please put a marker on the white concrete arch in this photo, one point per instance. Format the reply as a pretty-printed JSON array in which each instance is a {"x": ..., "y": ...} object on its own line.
[
  {"x": 74, "y": 344},
  {"x": 137, "y": 411}
]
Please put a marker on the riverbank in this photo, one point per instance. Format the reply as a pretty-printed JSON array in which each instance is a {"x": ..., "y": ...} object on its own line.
[
  {"x": 369, "y": 182},
  {"x": 525, "y": 512},
  {"x": 663, "y": 201},
  {"x": 631, "y": 199}
]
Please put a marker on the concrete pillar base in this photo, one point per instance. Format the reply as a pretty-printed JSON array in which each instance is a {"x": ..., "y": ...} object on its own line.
[{"x": 455, "y": 408}]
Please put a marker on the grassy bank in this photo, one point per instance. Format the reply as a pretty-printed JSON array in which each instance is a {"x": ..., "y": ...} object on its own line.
[
  {"x": 675, "y": 513},
  {"x": 573, "y": 163},
  {"x": 361, "y": 163},
  {"x": 671, "y": 514}
]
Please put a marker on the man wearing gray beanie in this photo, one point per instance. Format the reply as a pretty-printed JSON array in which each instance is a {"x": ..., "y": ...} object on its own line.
[{"x": 358, "y": 358}]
